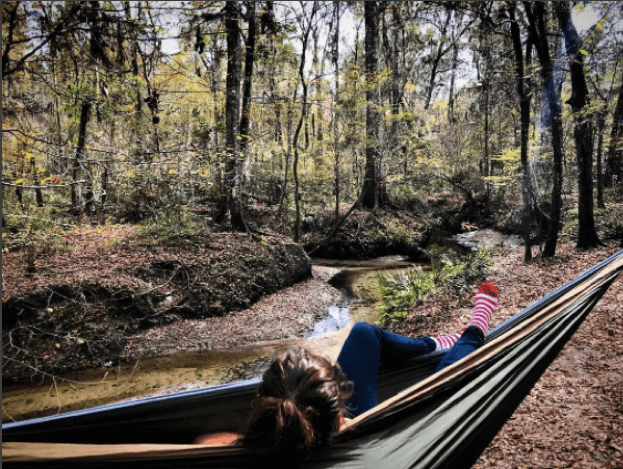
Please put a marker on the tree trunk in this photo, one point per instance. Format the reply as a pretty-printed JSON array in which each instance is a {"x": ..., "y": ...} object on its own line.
[
  {"x": 77, "y": 198},
  {"x": 601, "y": 123},
  {"x": 248, "y": 78},
  {"x": 35, "y": 180},
  {"x": 524, "y": 103},
  {"x": 396, "y": 88},
  {"x": 216, "y": 90},
  {"x": 614, "y": 166},
  {"x": 336, "y": 148},
  {"x": 302, "y": 119},
  {"x": 536, "y": 23},
  {"x": 435, "y": 62},
  {"x": 582, "y": 131},
  {"x": 455, "y": 64},
  {"x": 374, "y": 193},
  {"x": 231, "y": 207}
]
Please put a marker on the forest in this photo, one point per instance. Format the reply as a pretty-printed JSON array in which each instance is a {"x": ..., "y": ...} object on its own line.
[
  {"x": 129, "y": 108},
  {"x": 173, "y": 161}
]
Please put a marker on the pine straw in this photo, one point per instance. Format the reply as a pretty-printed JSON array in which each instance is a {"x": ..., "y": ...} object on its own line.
[{"x": 573, "y": 417}]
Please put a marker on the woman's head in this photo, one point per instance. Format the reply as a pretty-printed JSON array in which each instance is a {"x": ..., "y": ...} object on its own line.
[{"x": 297, "y": 405}]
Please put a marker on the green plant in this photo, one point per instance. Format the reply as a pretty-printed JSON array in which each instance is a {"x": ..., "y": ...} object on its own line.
[{"x": 404, "y": 290}]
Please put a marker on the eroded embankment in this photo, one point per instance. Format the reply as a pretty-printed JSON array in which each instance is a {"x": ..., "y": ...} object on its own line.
[{"x": 79, "y": 308}]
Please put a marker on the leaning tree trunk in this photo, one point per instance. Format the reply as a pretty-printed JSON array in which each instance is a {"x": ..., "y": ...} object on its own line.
[
  {"x": 582, "y": 131},
  {"x": 374, "y": 193}
]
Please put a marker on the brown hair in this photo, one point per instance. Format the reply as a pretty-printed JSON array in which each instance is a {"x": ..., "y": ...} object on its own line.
[{"x": 297, "y": 405}]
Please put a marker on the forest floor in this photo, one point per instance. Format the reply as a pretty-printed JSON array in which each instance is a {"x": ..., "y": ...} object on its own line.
[{"x": 573, "y": 417}]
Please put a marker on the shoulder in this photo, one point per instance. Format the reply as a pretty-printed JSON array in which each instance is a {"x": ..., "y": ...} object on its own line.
[{"x": 218, "y": 439}]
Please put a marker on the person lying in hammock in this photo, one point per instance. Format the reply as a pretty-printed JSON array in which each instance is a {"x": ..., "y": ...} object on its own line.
[{"x": 303, "y": 399}]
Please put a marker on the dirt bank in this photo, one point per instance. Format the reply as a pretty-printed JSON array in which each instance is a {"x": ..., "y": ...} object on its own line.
[
  {"x": 81, "y": 306},
  {"x": 192, "y": 353}
]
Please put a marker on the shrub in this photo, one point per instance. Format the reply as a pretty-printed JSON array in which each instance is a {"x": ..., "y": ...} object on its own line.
[{"x": 403, "y": 291}]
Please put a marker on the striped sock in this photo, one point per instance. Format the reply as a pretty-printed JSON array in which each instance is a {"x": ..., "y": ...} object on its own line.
[
  {"x": 447, "y": 341},
  {"x": 486, "y": 301}
]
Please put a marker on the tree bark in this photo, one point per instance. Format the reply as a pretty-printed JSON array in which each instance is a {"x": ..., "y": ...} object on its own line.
[
  {"x": 231, "y": 207},
  {"x": 302, "y": 119},
  {"x": 582, "y": 131},
  {"x": 77, "y": 197},
  {"x": 336, "y": 149},
  {"x": 614, "y": 166},
  {"x": 524, "y": 103},
  {"x": 601, "y": 123},
  {"x": 374, "y": 192},
  {"x": 396, "y": 88},
  {"x": 248, "y": 78},
  {"x": 536, "y": 13}
]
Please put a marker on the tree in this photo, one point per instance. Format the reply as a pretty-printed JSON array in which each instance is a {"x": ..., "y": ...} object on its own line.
[
  {"x": 582, "y": 130},
  {"x": 536, "y": 13},
  {"x": 374, "y": 192},
  {"x": 231, "y": 206},
  {"x": 614, "y": 162},
  {"x": 523, "y": 90},
  {"x": 306, "y": 29},
  {"x": 248, "y": 78}
]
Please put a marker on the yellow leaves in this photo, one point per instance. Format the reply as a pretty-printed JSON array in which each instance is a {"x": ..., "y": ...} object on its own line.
[
  {"x": 410, "y": 87},
  {"x": 514, "y": 111},
  {"x": 87, "y": 147},
  {"x": 583, "y": 52},
  {"x": 43, "y": 181},
  {"x": 171, "y": 171},
  {"x": 19, "y": 181},
  {"x": 27, "y": 155}
]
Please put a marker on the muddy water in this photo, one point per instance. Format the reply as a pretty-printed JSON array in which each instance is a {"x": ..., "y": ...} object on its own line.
[{"x": 357, "y": 280}]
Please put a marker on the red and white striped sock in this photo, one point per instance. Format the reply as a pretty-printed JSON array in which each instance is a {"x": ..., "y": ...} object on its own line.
[
  {"x": 447, "y": 341},
  {"x": 486, "y": 301}
]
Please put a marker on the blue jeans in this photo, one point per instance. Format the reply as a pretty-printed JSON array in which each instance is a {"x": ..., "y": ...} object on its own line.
[{"x": 367, "y": 346}]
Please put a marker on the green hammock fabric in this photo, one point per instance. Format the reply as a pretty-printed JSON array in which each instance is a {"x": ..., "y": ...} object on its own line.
[{"x": 427, "y": 419}]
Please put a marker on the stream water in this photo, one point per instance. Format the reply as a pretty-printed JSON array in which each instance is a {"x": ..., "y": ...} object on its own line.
[{"x": 357, "y": 280}]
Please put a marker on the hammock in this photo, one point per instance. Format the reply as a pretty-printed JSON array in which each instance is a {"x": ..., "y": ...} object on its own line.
[{"x": 424, "y": 419}]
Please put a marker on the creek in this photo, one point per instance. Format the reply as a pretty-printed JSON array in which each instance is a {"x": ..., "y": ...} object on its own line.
[{"x": 357, "y": 281}]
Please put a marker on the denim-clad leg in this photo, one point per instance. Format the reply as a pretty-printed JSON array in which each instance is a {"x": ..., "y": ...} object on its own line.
[
  {"x": 365, "y": 348},
  {"x": 467, "y": 343}
]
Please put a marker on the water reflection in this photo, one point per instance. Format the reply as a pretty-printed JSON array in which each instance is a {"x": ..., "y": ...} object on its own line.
[{"x": 338, "y": 318}]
